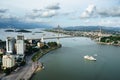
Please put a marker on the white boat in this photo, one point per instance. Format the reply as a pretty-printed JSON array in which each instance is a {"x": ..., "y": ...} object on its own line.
[{"x": 89, "y": 58}]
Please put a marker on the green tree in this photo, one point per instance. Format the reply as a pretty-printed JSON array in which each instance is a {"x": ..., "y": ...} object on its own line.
[
  {"x": 45, "y": 47},
  {"x": 7, "y": 71}
]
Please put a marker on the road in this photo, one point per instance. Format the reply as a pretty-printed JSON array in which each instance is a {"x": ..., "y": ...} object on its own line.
[{"x": 23, "y": 73}]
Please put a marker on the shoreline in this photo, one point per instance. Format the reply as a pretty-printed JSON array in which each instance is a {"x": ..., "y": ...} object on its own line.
[
  {"x": 39, "y": 54},
  {"x": 108, "y": 44},
  {"x": 28, "y": 71},
  {"x": 40, "y": 66}
]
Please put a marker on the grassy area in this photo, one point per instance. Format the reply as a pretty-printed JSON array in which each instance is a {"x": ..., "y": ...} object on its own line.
[
  {"x": 39, "y": 54},
  {"x": 110, "y": 39}
]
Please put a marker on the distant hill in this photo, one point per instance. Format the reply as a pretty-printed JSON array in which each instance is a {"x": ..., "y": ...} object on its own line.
[
  {"x": 24, "y": 31},
  {"x": 13, "y": 23},
  {"x": 93, "y": 28},
  {"x": 9, "y": 30}
]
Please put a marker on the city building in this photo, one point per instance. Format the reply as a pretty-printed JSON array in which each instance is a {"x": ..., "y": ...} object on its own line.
[
  {"x": 8, "y": 61},
  {"x": 20, "y": 45},
  {"x": 32, "y": 42},
  {"x": 42, "y": 40},
  {"x": 38, "y": 44},
  {"x": 2, "y": 51},
  {"x": 10, "y": 45}
]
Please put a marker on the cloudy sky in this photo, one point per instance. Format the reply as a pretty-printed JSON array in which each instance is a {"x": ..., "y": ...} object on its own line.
[{"x": 63, "y": 12}]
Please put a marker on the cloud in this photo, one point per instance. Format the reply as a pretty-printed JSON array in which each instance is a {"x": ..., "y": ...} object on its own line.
[
  {"x": 66, "y": 13},
  {"x": 4, "y": 14},
  {"x": 35, "y": 16},
  {"x": 113, "y": 22},
  {"x": 110, "y": 12},
  {"x": 36, "y": 10},
  {"x": 3, "y": 10},
  {"x": 54, "y": 6},
  {"x": 89, "y": 12},
  {"x": 47, "y": 12},
  {"x": 42, "y": 14},
  {"x": 92, "y": 11}
]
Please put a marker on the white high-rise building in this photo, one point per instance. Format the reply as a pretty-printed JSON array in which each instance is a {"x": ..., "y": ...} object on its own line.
[
  {"x": 8, "y": 61},
  {"x": 10, "y": 44},
  {"x": 20, "y": 45}
]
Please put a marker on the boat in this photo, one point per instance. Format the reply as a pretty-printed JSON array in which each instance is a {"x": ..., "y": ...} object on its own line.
[{"x": 91, "y": 58}]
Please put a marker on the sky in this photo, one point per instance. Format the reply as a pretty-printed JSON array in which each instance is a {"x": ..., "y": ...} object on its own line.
[{"x": 63, "y": 12}]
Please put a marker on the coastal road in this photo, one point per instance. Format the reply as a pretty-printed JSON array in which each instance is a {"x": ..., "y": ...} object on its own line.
[{"x": 23, "y": 72}]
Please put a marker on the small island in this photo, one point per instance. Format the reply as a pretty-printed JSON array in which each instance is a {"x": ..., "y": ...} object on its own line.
[
  {"x": 21, "y": 30},
  {"x": 24, "y": 31},
  {"x": 9, "y": 30}
]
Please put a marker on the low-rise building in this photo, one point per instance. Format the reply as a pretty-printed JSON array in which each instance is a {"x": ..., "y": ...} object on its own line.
[
  {"x": 8, "y": 61},
  {"x": 2, "y": 51}
]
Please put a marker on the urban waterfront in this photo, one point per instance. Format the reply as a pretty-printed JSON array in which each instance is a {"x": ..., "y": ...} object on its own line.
[
  {"x": 67, "y": 63},
  {"x": 60, "y": 40}
]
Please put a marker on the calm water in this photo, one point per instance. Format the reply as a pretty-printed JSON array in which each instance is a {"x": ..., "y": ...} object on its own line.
[{"x": 67, "y": 63}]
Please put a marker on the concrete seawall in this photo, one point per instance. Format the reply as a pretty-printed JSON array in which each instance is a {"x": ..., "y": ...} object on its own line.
[{"x": 38, "y": 66}]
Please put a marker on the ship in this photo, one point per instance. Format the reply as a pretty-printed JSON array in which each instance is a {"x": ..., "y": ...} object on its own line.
[{"x": 91, "y": 58}]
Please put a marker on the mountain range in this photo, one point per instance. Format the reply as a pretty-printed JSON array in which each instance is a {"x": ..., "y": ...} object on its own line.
[{"x": 12, "y": 23}]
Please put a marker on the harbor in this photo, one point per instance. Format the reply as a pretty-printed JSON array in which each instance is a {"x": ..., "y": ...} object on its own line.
[{"x": 68, "y": 63}]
